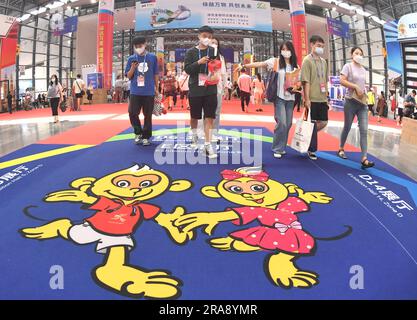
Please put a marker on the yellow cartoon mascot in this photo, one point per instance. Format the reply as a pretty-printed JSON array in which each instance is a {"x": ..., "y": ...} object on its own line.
[
  {"x": 120, "y": 204},
  {"x": 274, "y": 206}
]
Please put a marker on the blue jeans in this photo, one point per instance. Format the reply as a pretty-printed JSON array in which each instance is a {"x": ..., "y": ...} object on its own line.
[
  {"x": 283, "y": 116},
  {"x": 353, "y": 108}
]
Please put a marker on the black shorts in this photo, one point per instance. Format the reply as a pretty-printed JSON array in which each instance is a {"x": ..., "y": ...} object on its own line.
[
  {"x": 170, "y": 94},
  {"x": 78, "y": 95},
  {"x": 206, "y": 103},
  {"x": 319, "y": 111},
  {"x": 184, "y": 94},
  {"x": 400, "y": 112}
]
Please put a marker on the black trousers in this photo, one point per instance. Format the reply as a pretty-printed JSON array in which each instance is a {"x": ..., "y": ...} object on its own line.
[
  {"x": 244, "y": 98},
  {"x": 54, "y": 106},
  {"x": 136, "y": 105}
]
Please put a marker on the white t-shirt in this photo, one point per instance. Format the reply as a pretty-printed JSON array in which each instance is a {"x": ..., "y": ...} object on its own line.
[
  {"x": 283, "y": 94},
  {"x": 79, "y": 87},
  {"x": 400, "y": 103}
]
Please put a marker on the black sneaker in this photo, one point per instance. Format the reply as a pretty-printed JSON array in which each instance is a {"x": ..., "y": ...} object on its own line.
[{"x": 312, "y": 156}]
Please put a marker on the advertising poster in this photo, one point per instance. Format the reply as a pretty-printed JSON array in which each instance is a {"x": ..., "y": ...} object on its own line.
[
  {"x": 338, "y": 28},
  {"x": 105, "y": 41},
  {"x": 224, "y": 14},
  {"x": 299, "y": 28},
  {"x": 393, "y": 49}
]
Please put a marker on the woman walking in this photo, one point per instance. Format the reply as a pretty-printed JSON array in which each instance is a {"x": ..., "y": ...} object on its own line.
[
  {"x": 284, "y": 104},
  {"x": 381, "y": 106},
  {"x": 55, "y": 96},
  {"x": 258, "y": 93},
  {"x": 353, "y": 77}
]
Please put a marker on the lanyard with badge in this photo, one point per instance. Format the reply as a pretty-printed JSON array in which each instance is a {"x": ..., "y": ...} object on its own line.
[
  {"x": 142, "y": 68},
  {"x": 320, "y": 75},
  {"x": 202, "y": 77}
]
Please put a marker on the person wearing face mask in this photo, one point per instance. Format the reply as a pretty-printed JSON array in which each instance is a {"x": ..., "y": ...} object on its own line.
[
  {"x": 202, "y": 95},
  {"x": 353, "y": 77},
  {"x": 55, "y": 96},
  {"x": 284, "y": 104},
  {"x": 142, "y": 71},
  {"x": 314, "y": 75}
]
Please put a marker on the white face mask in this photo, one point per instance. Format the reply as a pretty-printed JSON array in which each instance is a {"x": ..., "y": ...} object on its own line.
[
  {"x": 358, "y": 59},
  {"x": 319, "y": 51},
  {"x": 286, "y": 54},
  {"x": 205, "y": 41},
  {"x": 140, "y": 50}
]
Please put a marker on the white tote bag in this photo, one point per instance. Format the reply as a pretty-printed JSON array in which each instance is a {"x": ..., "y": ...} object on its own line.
[{"x": 302, "y": 135}]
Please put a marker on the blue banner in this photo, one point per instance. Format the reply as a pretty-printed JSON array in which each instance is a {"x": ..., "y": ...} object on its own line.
[
  {"x": 393, "y": 47},
  {"x": 338, "y": 28}
]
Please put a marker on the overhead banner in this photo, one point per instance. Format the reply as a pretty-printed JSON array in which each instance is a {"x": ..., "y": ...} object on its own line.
[
  {"x": 8, "y": 41},
  {"x": 299, "y": 28},
  {"x": 393, "y": 50},
  {"x": 69, "y": 25},
  {"x": 338, "y": 28},
  {"x": 160, "y": 54},
  {"x": 224, "y": 14},
  {"x": 105, "y": 41},
  {"x": 6, "y": 24},
  {"x": 407, "y": 27}
]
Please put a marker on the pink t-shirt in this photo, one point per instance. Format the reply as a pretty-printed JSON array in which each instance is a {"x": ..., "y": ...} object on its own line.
[{"x": 244, "y": 83}]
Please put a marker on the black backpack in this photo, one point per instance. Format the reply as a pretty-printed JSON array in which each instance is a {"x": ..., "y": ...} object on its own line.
[{"x": 272, "y": 83}]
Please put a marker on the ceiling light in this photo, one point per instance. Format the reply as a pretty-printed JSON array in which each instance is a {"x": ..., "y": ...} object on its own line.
[{"x": 24, "y": 17}]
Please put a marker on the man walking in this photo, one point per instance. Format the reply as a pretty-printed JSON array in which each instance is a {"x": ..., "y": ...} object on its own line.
[
  {"x": 244, "y": 82},
  {"x": 142, "y": 71},
  {"x": 314, "y": 75},
  {"x": 201, "y": 95}
]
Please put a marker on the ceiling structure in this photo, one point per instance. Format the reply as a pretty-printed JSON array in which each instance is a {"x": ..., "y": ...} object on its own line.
[{"x": 389, "y": 9}]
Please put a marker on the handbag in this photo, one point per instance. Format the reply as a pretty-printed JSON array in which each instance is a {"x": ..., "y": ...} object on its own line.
[
  {"x": 272, "y": 83},
  {"x": 81, "y": 90},
  {"x": 158, "y": 107},
  {"x": 303, "y": 133},
  {"x": 364, "y": 99}
]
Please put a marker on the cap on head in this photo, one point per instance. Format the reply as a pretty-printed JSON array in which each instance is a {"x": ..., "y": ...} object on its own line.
[{"x": 205, "y": 29}]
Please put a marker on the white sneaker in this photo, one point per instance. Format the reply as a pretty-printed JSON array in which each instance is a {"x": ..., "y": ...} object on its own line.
[
  {"x": 146, "y": 142},
  {"x": 138, "y": 139},
  {"x": 194, "y": 141},
  {"x": 215, "y": 139},
  {"x": 210, "y": 152},
  {"x": 277, "y": 155}
]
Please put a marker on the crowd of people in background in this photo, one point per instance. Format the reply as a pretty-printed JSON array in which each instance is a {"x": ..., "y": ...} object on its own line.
[{"x": 204, "y": 84}]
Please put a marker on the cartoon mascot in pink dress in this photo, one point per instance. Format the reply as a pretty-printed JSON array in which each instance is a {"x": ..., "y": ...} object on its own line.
[{"x": 274, "y": 206}]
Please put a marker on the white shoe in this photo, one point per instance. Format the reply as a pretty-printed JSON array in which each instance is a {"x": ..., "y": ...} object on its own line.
[
  {"x": 138, "y": 139},
  {"x": 194, "y": 141},
  {"x": 277, "y": 155},
  {"x": 210, "y": 152},
  {"x": 215, "y": 139},
  {"x": 146, "y": 142}
]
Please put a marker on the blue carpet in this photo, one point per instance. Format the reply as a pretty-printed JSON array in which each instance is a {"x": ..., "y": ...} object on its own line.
[{"x": 382, "y": 242}]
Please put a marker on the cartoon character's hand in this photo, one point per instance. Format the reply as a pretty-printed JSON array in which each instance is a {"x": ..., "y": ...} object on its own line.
[
  {"x": 71, "y": 196},
  {"x": 291, "y": 187},
  {"x": 195, "y": 220},
  {"x": 316, "y": 197},
  {"x": 167, "y": 221}
]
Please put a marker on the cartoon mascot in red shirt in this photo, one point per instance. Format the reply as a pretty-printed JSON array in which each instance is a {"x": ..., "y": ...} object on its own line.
[{"x": 119, "y": 201}]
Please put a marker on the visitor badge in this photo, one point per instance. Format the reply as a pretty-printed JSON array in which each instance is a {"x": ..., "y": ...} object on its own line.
[
  {"x": 323, "y": 87},
  {"x": 202, "y": 78},
  {"x": 141, "y": 81}
]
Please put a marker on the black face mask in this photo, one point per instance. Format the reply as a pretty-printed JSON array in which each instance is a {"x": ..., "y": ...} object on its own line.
[{"x": 53, "y": 81}]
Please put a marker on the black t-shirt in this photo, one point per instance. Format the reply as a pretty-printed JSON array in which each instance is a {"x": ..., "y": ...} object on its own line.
[{"x": 193, "y": 69}]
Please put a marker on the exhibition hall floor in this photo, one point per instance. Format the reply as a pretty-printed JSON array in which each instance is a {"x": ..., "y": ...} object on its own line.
[{"x": 303, "y": 229}]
